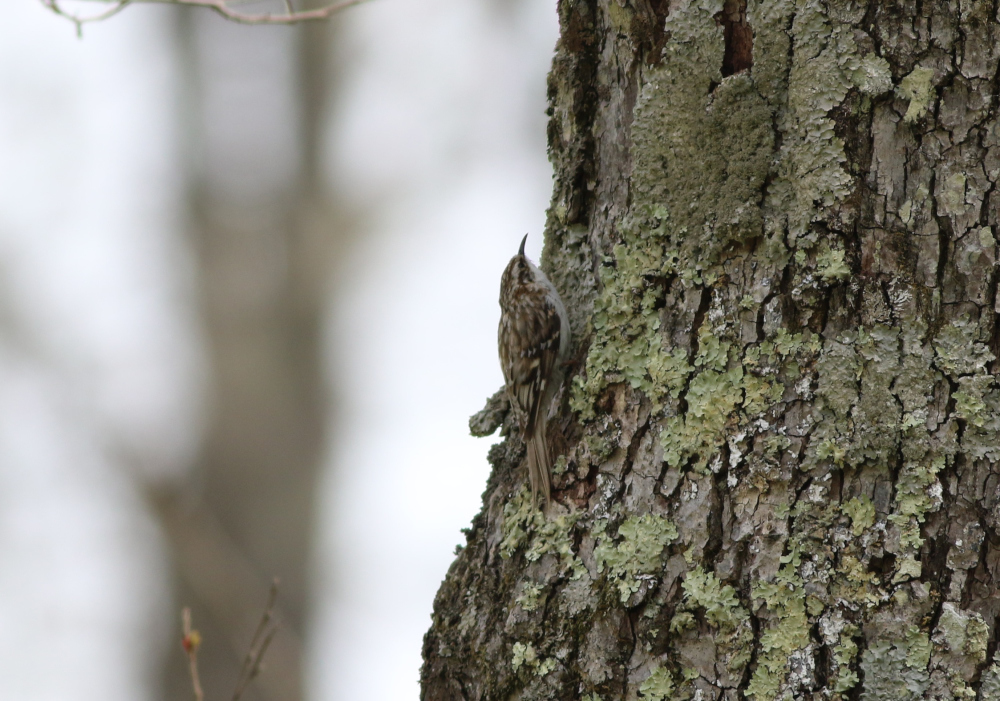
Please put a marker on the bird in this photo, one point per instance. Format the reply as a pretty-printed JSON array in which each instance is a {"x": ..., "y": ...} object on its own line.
[{"x": 533, "y": 342}]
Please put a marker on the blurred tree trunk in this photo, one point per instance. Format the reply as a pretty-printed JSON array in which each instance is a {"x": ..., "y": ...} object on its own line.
[
  {"x": 774, "y": 225},
  {"x": 263, "y": 232}
]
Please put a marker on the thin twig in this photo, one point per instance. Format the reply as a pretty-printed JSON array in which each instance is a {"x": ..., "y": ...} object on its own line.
[
  {"x": 258, "y": 644},
  {"x": 221, "y": 7},
  {"x": 80, "y": 21},
  {"x": 252, "y": 664},
  {"x": 190, "y": 642}
]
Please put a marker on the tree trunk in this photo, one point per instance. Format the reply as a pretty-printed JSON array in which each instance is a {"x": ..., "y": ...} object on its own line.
[{"x": 773, "y": 225}]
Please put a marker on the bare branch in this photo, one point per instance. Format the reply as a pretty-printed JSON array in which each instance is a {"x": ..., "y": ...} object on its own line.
[
  {"x": 224, "y": 582},
  {"x": 253, "y": 662},
  {"x": 258, "y": 644},
  {"x": 221, "y": 7},
  {"x": 190, "y": 642}
]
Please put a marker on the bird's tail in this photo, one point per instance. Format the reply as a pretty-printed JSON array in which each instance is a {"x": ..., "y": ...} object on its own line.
[{"x": 538, "y": 464}]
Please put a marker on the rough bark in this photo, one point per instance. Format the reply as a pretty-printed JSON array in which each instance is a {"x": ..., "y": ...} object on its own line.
[{"x": 773, "y": 224}]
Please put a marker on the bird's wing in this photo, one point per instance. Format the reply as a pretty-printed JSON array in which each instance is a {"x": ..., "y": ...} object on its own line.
[{"x": 534, "y": 349}]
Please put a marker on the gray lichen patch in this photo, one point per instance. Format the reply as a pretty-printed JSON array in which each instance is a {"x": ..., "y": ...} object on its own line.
[
  {"x": 990, "y": 688},
  {"x": 897, "y": 670},
  {"x": 960, "y": 640}
]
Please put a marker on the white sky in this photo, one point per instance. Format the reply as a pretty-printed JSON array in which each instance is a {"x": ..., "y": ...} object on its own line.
[
  {"x": 442, "y": 133},
  {"x": 99, "y": 355}
]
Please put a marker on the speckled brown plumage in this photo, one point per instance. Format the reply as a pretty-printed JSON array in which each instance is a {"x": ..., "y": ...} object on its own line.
[{"x": 533, "y": 339}]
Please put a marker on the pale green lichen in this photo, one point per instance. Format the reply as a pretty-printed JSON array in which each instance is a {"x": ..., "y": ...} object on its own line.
[
  {"x": 524, "y": 655},
  {"x": 719, "y": 602},
  {"x": 525, "y": 524},
  {"x": 867, "y": 377},
  {"x": 918, "y": 89},
  {"x": 529, "y": 598},
  {"x": 958, "y": 351},
  {"x": 658, "y": 686},
  {"x": 872, "y": 376},
  {"x": 722, "y": 609},
  {"x": 830, "y": 264},
  {"x": 864, "y": 381},
  {"x": 797, "y": 599},
  {"x": 837, "y": 393},
  {"x": 638, "y": 552},
  {"x": 986, "y": 239},
  {"x": 861, "y": 511},
  {"x": 964, "y": 357},
  {"x": 680, "y": 127},
  {"x": 560, "y": 465},
  {"x": 682, "y": 621},
  {"x": 788, "y": 632},
  {"x": 712, "y": 397},
  {"x": 960, "y": 641},
  {"x": 830, "y": 449},
  {"x": 856, "y": 584},
  {"x": 844, "y": 654},
  {"x": 970, "y": 399},
  {"x": 907, "y": 568},
  {"x": 719, "y": 388},
  {"x": 627, "y": 344},
  {"x": 913, "y": 499},
  {"x": 545, "y": 666},
  {"x": 521, "y": 653},
  {"x": 784, "y": 345},
  {"x": 600, "y": 446},
  {"x": 620, "y": 16},
  {"x": 520, "y": 518},
  {"x": 981, "y": 409},
  {"x": 556, "y": 537}
]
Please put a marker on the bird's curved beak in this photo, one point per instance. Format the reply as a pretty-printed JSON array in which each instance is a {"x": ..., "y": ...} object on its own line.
[{"x": 520, "y": 251}]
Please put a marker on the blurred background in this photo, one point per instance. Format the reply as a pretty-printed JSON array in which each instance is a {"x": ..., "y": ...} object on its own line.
[{"x": 248, "y": 282}]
